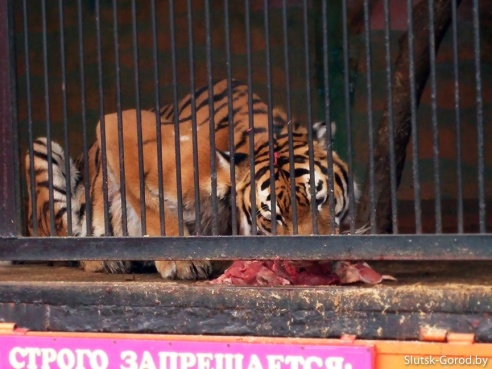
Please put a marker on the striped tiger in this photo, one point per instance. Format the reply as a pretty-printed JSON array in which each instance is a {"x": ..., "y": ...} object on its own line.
[
  {"x": 244, "y": 185},
  {"x": 284, "y": 209}
]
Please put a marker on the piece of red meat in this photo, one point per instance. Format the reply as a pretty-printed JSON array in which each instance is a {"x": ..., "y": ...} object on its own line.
[
  {"x": 251, "y": 273},
  {"x": 308, "y": 273},
  {"x": 358, "y": 272},
  {"x": 267, "y": 277},
  {"x": 306, "y": 278}
]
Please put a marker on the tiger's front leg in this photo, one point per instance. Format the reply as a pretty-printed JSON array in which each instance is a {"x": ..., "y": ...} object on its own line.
[
  {"x": 187, "y": 270},
  {"x": 176, "y": 269},
  {"x": 108, "y": 266},
  {"x": 99, "y": 227}
]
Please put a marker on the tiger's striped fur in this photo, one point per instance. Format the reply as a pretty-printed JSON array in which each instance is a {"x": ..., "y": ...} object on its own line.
[
  {"x": 302, "y": 174},
  {"x": 242, "y": 135},
  {"x": 40, "y": 154}
]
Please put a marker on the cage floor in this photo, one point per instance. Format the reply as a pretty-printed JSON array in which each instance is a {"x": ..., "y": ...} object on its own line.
[
  {"x": 464, "y": 274},
  {"x": 453, "y": 295}
]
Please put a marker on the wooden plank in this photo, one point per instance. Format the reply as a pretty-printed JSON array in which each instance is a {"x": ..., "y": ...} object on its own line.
[{"x": 454, "y": 296}]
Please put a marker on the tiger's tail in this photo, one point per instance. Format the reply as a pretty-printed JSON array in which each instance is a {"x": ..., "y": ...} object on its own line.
[{"x": 40, "y": 200}]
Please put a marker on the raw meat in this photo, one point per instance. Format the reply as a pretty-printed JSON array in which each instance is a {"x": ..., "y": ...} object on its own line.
[{"x": 309, "y": 273}]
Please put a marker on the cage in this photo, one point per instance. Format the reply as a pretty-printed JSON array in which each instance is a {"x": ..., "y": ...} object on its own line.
[{"x": 392, "y": 99}]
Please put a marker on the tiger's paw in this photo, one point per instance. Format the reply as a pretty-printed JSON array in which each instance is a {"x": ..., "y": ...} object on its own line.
[
  {"x": 190, "y": 270},
  {"x": 92, "y": 266},
  {"x": 113, "y": 267}
]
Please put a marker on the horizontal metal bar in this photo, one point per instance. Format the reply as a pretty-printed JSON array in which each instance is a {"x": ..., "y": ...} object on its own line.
[{"x": 336, "y": 247}]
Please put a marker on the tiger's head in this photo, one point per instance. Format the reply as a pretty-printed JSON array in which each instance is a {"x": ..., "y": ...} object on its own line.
[{"x": 301, "y": 183}]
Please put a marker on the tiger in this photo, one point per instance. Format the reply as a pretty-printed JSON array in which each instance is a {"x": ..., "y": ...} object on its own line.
[{"x": 186, "y": 116}]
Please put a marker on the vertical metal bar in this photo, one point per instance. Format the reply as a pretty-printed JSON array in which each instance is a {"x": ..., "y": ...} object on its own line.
[
  {"x": 348, "y": 121},
  {"x": 65, "y": 122},
  {"x": 18, "y": 221},
  {"x": 251, "y": 119},
  {"x": 32, "y": 176},
  {"x": 314, "y": 210},
  {"x": 196, "y": 171},
  {"x": 435, "y": 128},
  {"x": 155, "y": 57},
  {"x": 231, "y": 118},
  {"x": 8, "y": 206},
  {"x": 177, "y": 142},
  {"x": 391, "y": 124},
  {"x": 143, "y": 213},
  {"x": 480, "y": 141},
  {"x": 329, "y": 147},
  {"x": 370, "y": 123},
  {"x": 121, "y": 143},
  {"x": 213, "y": 169},
  {"x": 273, "y": 197},
  {"x": 459, "y": 179},
  {"x": 88, "y": 206},
  {"x": 107, "y": 225},
  {"x": 413, "y": 118},
  {"x": 48, "y": 119},
  {"x": 289, "y": 118}
]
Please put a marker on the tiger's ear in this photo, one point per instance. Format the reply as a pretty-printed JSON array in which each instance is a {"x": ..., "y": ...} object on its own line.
[
  {"x": 319, "y": 129},
  {"x": 224, "y": 159}
]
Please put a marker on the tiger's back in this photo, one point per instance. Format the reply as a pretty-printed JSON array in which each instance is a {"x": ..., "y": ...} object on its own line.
[{"x": 219, "y": 114}]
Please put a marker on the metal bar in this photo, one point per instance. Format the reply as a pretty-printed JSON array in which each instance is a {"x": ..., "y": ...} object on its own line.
[
  {"x": 480, "y": 132},
  {"x": 370, "y": 122},
  {"x": 19, "y": 213},
  {"x": 155, "y": 58},
  {"x": 230, "y": 107},
  {"x": 143, "y": 212},
  {"x": 307, "y": 60},
  {"x": 85, "y": 144},
  {"x": 271, "y": 149},
  {"x": 348, "y": 118},
  {"x": 68, "y": 187},
  {"x": 8, "y": 205},
  {"x": 329, "y": 146},
  {"x": 177, "y": 141},
  {"x": 107, "y": 225},
  {"x": 391, "y": 123},
  {"x": 51, "y": 207},
  {"x": 289, "y": 118},
  {"x": 250, "y": 118},
  {"x": 32, "y": 176},
  {"x": 213, "y": 169},
  {"x": 435, "y": 127},
  {"x": 121, "y": 142},
  {"x": 413, "y": 119},
  {"x": 88, "y": 206},
  {"x": 367, "y": 247},
  {"x": 194, "y": 129},
  {"x": 459, "y": 179}
]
